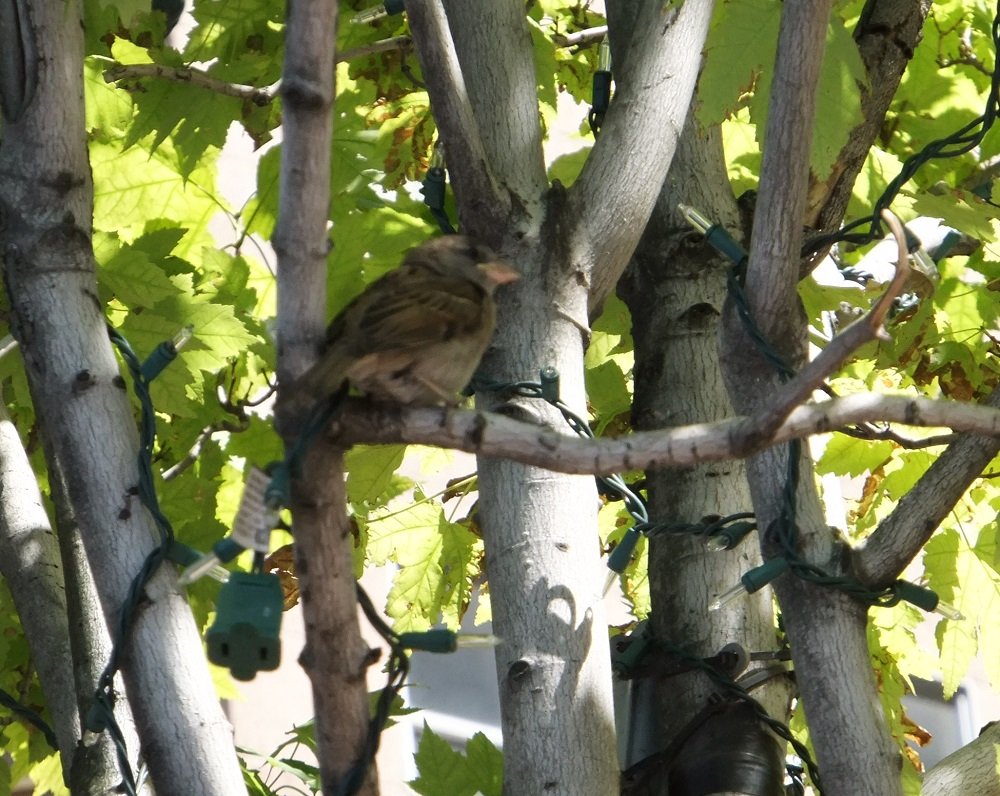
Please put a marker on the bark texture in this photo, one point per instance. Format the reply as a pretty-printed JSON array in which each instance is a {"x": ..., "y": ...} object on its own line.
[
  {"x": 335, "y": 657},
  {"x": 826, "y": 628},
  {"x": 29, "y": 563},
  {"x": 545, "y": 575},
  {"x": 675, "y": 289},
  {"x": 45, "y": 208}
]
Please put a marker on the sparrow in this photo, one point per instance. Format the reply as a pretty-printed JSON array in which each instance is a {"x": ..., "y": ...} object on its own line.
[{"x": 416, "y": 334}]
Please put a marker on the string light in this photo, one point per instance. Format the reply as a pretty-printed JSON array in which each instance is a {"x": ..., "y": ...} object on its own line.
[
  {"x": 377, "y": 12},
  {"x": 785, "y": 529},
  {"x": 433, "y": 188},
  {"x": 601, "y": 87},
  {"x": 100, "y": 715}
]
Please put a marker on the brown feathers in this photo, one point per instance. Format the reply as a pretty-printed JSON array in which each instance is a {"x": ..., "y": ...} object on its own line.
[{"x": 416, "y": 335}]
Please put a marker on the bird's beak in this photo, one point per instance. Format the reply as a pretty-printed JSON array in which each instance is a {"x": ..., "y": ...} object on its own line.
[{"x": 499, "y": 272}]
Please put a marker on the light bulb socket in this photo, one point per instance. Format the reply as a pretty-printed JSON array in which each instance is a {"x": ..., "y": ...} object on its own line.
[
  {"x": 622, "y": 554},
  {"x": 752, "y": 581},
  {"x": 604, "y": 55},
  {"x": 164, "y": 354},
  {"x": 377, "y": 12},
  {"x": 435, "y": 640}
]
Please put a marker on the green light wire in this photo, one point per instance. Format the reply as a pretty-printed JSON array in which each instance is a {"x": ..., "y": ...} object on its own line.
[
  {"x": 31, "y": 716},
  {"x": 958, "y": 143},
  {"x": 101, "y": 715}
]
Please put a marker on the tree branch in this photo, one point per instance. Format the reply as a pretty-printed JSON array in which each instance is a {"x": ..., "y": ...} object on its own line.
[
  {"x": 30, "y": 564},
  {"x": 46, "y": 200},
  {"x": 255, "y": 94},
  {"x": 887, "y": 33},
  {"x": 495, "y": 435},
  {"x": 580, "y": 37},
  {"x": 971, "y": 769},
  {"x": 400, "y": 44},
  {"x": 776, "y": 240},
  {"x": 610, "y": 202},
  {"x": 504, "y": 101},
  {"x": 901, "y": 535},
  {"x": 196, "y": 77},
  {"x": 475, "y": 187},
  {"x": 335, "y": 657}
]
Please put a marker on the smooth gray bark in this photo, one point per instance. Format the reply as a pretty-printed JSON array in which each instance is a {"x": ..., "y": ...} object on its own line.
[
  {"x": 29, "y": 563},
  {"x": 826, "y": 628},
  {"x": 46, "y": 206},
  {"x": 545, "y": 575}
]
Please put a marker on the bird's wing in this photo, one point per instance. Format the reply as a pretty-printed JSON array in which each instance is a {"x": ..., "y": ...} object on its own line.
[{"x": 411, "y": 312}]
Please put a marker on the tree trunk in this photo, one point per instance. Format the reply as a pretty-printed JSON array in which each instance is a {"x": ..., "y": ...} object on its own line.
[
  {"x": 545, "y": 575},
  {"x": 675, "y": 293},
  {"x": 29, "y": 563},
  {"x": 826, "y": 628},
  {"x": 335, "y": 657},
  {"x": 46, "y": 208},
  {"x": 544, "y": 571}
]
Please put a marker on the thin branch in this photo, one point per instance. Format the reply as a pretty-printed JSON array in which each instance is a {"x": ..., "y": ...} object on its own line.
[
  {"x": 196, "y": 77},
  {"x": 887, "y": 34},
  {"x": 587, "y": 36},
  {"x": 776, "y": 240},
  {"x": 495, "y": 435},
  {"x": 873, "y": 434},
  {"x": 615, "y": 193},
  {"x": 870, "y": 327},
  {"x": 255, "y": 94},
  {"x": 401, "y": 44}
]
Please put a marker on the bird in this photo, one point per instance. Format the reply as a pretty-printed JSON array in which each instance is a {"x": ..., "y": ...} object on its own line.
[{"x": 415, "y": 335}]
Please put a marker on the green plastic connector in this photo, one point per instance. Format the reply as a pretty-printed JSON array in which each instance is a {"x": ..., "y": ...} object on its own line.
[
  {"x": 715, "y": 234},
  {"x": 226, "y": 549},
  {"x": 729, "y": 536},
  {"x": 752, "y": 581},
  {"x": 245, "y": 635},
  {"x": 758, "y": 577},
  {"x": 625, "y": 657},
  {"x": 96, "y": 720},
  {"x": 279, "y": 491},
  {"x": 181, "y": 554},
  {"x": 922, "y": 597},
  {"x": 433, "y": 189},
  {"x": 548, "y": 377},
  {"x": 164, "y": 354},
  {"x": 435, "y": 640},
  {"x": 622, "y": 553}
]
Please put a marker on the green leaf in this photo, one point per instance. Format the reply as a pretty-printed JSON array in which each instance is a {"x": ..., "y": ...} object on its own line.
[
  {"x": 225, "y": 30},
  {"x": 904, "y": 471},
  {"x": 740, "y": 47},
  {"x": 965, "y": 578},
  {"x": 134, "y": 279},
  {"x": 486, "y": 762},
  {"x": 109, "y": 110},
  {"x": 131, "y": 187},
  {"x": 443, "y": 770},
  {"x": 846, "y": 455},
  {"x": 436, "y": 561},
  {"x": 370, "y": 470},
  {"x": 837, "y": 111}
]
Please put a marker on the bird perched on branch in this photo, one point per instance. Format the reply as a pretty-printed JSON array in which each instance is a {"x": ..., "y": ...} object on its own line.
[{"x": 415, "y": 335}]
